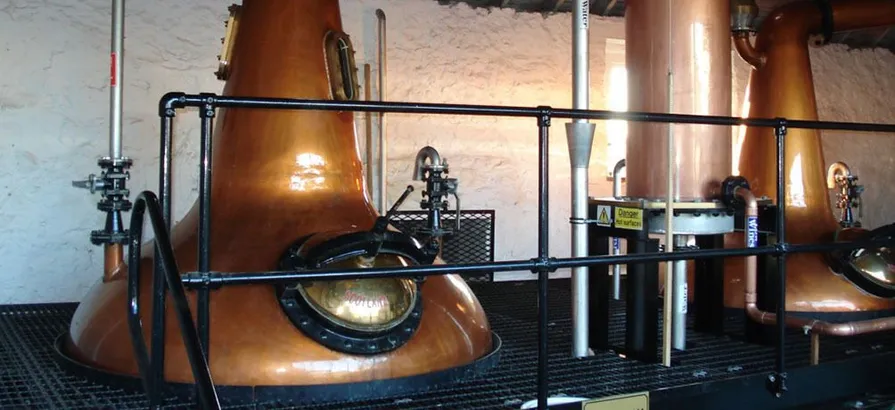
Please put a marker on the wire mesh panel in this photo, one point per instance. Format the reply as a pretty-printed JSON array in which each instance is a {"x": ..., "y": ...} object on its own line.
[
  {"x": 30, "y": 377},
  {"x": 474, "y": 243}
]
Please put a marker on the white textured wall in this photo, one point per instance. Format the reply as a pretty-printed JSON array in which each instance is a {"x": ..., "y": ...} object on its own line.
[{"x": 54, "y": 109}]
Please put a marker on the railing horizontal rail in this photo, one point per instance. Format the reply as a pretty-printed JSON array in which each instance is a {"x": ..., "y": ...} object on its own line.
[
  {"x": 181, "y": 100},
  {"x": 197, "y": 280}
]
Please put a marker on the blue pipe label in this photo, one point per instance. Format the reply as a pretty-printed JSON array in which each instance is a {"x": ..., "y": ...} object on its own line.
[
  {"x": 615, "y": 244},
  {"x": 752, "y": 232}
]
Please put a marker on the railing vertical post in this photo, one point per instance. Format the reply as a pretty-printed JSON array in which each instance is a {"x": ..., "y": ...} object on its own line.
[
  {"x": 778, "y": 380},
  {"x": 543, "y": 252},
  {"x": 159, "y": 298},
  {"x": 206, "y": 114}
]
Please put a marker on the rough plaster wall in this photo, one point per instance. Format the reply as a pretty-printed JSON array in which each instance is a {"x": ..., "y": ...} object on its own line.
[{"x": 54, "y": 109}]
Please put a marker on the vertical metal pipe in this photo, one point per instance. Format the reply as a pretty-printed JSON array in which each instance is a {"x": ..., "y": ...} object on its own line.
[
  {"x": 157, "y": 357},
  {"x": 383, "y": 147},
  {"x": 616, "y": 245},
  {"x": 543, "y": 253},
  {"x": 679, "y": 324},
  {"x": 206, "y": 140},
  {"x": 368, "y": 130},
  {"x": 580, "y": 134},
  {"x": 780, "y": 134},
  {"x": 616, "y": 270},
  {"x": 116, "y": 77}
]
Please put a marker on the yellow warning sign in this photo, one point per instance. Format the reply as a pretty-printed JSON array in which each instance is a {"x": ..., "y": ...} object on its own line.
[
  {"x": 629, "y": 218},
  {"x": 636, "y": 401},
  {"x": 603, "y": 212}
]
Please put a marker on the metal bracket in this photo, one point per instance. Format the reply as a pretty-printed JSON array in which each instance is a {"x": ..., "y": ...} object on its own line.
[{"x": 776, "y": 384}]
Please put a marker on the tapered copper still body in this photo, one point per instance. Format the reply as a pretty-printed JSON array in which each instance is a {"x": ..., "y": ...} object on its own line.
[
  {"x": 781, "y": 85},
  {"x": 280, "y": 176}
]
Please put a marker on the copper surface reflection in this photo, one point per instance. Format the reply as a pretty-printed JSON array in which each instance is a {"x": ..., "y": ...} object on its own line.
[{"x": 310, "y": 173}]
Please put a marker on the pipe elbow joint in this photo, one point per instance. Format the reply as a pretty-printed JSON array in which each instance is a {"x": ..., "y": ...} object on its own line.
[
  {"x": 836, "y": 170},
  {"x": 747, "y": 51},
  {"x": 170, "y": 102},
  {"x": 424, "y": 154}
]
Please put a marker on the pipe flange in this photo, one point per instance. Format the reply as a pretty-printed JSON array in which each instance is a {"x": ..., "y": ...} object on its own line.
[{"x": 729, "y": 188}]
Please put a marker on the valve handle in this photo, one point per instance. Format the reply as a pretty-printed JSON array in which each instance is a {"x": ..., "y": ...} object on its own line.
[{"x": 381, "y": 224}]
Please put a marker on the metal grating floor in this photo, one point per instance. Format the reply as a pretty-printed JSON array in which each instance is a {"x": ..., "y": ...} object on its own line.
[{"x": 30, "y": 378}]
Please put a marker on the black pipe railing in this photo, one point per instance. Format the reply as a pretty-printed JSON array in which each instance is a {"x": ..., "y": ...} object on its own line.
[
  {"x": 777, "y": 381},
  {"x": 202, "y": 374},
  {"x": 204, "y": 280}
]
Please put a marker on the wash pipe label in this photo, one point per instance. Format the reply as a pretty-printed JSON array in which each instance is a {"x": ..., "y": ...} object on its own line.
[{"x": 752, "y": 232}]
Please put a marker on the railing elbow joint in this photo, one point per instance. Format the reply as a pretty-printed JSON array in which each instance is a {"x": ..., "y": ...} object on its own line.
[{"x": 170, "y": 102}]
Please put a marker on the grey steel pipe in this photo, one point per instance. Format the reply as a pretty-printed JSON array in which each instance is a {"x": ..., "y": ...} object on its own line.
[
  {"x": 383, "y": 147},
  {"x": 116, "y": 78},
  {"x": 616, "y": 245},
  {"x": 580, "y": 135},
  {"x": 368, "y": 131},
  {"x": 679, "y": 315}
]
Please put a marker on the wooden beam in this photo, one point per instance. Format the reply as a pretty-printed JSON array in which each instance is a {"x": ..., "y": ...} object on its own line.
[
  {"x": 881, "y": 36},
  {"x": 556, "y": 5},
  {"x": 609, "y": 7}
]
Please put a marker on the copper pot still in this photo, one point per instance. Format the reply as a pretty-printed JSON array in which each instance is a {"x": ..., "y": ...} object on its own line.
[
  {"x": 288, "y": 181},
  {"x": 781, "y": 85}
]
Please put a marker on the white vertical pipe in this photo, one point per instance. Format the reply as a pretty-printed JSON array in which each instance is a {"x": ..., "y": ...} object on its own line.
[
  {"x": 580, "y": 135},
  {"x": 116, "y": 78},
  {"x": 679, "y": 321},
  {"x": 383, "y": 148}
]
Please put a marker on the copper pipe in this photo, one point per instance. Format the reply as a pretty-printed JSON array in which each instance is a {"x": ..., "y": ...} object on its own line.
[
  {"x": 114, "y": 265},
  {"x": 747, "y": 51},
  {"x": 808, "y": 325}
]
